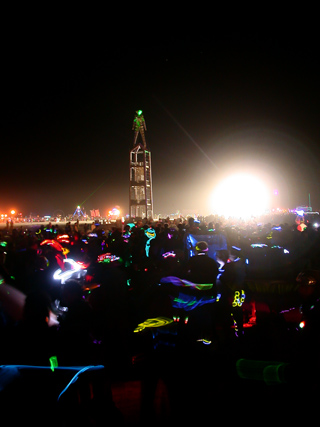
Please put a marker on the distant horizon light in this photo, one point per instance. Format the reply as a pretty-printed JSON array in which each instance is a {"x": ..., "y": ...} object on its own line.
[{"x": 241, "y": 196}]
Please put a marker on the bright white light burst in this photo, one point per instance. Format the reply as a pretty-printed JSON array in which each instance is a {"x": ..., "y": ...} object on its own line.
[{"x": 240, "y": 196}]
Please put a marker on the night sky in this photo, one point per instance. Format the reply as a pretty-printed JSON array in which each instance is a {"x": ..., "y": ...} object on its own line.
[{"x": 213, "y": 104}]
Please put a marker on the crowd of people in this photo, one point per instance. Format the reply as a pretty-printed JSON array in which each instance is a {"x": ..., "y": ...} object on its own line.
[{"x": 91, "y": 319}]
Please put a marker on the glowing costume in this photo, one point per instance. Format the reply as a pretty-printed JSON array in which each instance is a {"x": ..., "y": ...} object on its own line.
[{"x": 139, "y": 126}]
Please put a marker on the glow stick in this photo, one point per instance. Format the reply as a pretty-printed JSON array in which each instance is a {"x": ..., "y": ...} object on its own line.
[
  {"x": 189, "y": 302},
  {"x": 65, "y": 275},
  {"x": 169, "y": 254},
  {"x": 107, "y": 257},
  {"x": 153, "y": 323},
  {"x": 186, "y": 283},
  {"x": 53, "y": 363}
]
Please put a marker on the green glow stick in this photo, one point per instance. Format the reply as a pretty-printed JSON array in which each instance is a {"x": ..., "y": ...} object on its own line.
[
  {"x": 271, "y": 372},
  {"x": 53, "y": 363}
]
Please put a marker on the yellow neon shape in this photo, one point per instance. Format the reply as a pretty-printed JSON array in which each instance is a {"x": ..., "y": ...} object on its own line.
[{"x": 156, "y": 322}]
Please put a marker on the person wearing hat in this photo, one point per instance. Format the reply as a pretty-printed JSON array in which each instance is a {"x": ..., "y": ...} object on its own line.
[{"x": 201, "y": 268}]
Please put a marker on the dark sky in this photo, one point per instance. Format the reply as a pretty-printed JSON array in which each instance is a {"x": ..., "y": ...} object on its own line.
[{"x": 213, "y": 104}]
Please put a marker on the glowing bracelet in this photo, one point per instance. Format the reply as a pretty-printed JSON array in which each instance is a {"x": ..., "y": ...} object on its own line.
[{"x": 238, "y": 299}]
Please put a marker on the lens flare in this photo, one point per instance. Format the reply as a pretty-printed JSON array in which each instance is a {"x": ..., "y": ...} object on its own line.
[{"x": 240, "y": 196}]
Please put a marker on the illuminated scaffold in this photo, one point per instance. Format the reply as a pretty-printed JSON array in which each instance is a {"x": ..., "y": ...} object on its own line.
[
  {"x": 140, "y": 193},
  {"x": 78, "y": 212}
]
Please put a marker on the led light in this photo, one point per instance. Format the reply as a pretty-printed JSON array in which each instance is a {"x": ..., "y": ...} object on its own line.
[
  {"x": 151, "y": 234},
  {"x": 153, "y": 323},
  {"x": 240, "y": 195},
  {"x": 63, "y": 276},
  {"x": 108, "y": 257},
  {"x": 189, "y": 302},
  {"x": 238, "y": 299},
  {"x": 185, "y": 283},
  {"x": 53, "y": 363},
  {"x": 64, "y": 238},
  {"x": 169, "y": 255},
  {"x": 53, "y": 243},
  {"x": 204, "y": 341}
]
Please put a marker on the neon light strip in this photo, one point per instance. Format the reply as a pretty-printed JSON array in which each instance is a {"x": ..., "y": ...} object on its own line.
[
  {"x": 65, "y": 275},
  {"x": 153, "y": 323},
  {"x": 169, "y": 254},
  {"x": 188, "y": 302},
  {"x": 107, "y": 257},
  {"x": 185, "y": 283}
]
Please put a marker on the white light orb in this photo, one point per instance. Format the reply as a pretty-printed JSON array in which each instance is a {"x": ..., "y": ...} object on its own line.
[{"x": 240, "y": 196}]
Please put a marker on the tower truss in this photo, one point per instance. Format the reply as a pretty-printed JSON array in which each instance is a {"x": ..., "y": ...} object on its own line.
[{"x": 140, "y": 192}]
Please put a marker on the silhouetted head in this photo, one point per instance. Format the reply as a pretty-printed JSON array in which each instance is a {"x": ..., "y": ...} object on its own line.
[
  {"x": 37, "y": 308},
  {"x": 202, "y": 247},
  {"x": 71, "y": 293}
]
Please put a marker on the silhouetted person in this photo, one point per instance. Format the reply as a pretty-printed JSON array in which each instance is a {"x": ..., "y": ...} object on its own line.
[
  {"x": 31, "y": 341},
  {"x": 75, "y": 333},
  {"x": 201, "y": 268}
]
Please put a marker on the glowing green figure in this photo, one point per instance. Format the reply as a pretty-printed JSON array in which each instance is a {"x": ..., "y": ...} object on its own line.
[{"x": 139, "y": 126}]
